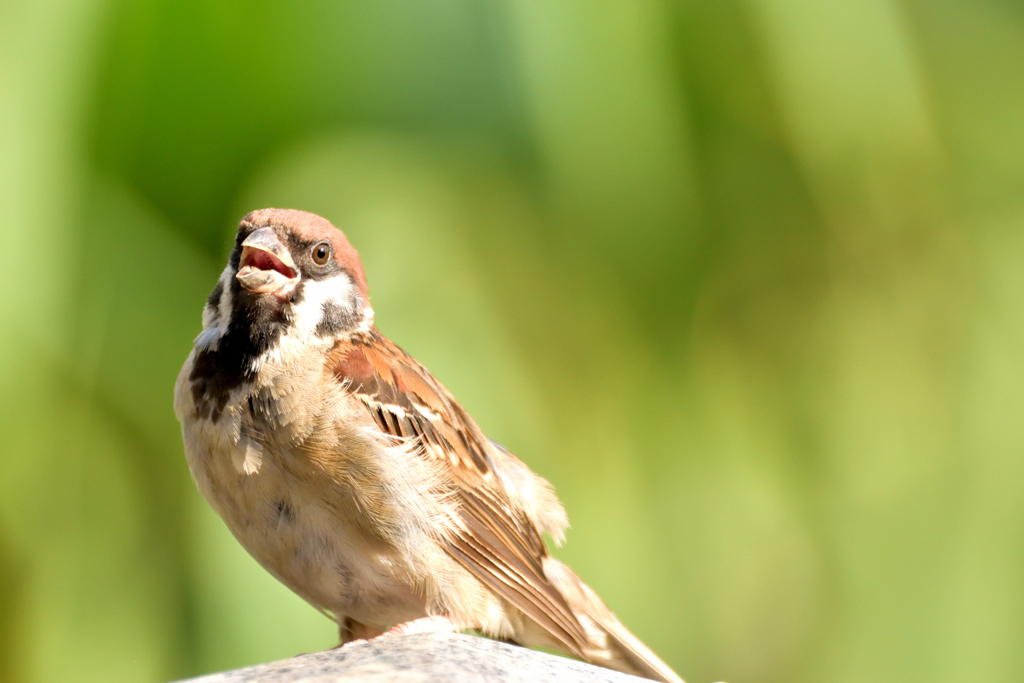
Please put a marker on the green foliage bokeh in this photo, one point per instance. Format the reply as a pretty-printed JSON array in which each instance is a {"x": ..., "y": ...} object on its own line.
[{"x": 743, "y": 279}]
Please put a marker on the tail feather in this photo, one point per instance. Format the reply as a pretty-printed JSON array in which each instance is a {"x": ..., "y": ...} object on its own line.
[
  {"x": 641, "y": 660},
  {"x": 612, "y": 645}
]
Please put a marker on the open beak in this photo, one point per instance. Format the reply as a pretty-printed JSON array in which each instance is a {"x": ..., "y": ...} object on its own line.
[{"x": 266, "y": 265}]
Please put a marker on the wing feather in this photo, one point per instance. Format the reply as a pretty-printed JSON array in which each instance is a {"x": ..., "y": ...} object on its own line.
[{"x": 495, "y": 540}]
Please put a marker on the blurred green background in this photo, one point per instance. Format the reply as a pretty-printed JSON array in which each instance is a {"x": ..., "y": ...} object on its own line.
[{"x": 743, "y": 279}]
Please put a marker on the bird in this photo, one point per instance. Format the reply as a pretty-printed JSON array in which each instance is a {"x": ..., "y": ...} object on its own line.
[{"x": 355, "y": 478}]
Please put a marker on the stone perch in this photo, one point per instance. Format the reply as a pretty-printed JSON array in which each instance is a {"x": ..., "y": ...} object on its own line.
[{"x": 423, "y": 657}]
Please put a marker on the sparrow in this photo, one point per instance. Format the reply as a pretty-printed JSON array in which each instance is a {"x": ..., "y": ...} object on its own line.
[{"x": 351, "y": 474}]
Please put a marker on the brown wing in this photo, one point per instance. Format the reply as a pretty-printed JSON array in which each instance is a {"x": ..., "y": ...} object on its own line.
[{"x": 497, "y": 542}]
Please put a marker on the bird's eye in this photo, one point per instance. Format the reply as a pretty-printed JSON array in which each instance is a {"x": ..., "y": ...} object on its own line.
[{"x": 321, "y": 252}]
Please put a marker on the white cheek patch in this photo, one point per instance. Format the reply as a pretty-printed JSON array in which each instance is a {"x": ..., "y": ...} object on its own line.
[
  {"x": 226, "y": 280},
  {"x": 210, "y": 316},
  {"x": 336, "y": 298},
  {"x": 216, "y": 320},
  {"x": 327, "y": 307}
]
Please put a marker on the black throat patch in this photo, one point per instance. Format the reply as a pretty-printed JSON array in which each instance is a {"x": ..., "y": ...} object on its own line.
[{"x": 256, "y": 324}]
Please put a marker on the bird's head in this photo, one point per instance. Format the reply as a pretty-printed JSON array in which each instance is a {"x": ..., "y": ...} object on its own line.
[{"x": 291, "y": 273}]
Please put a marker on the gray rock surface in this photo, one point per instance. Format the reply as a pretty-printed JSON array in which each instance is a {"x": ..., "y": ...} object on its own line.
[{"x": 424, "y": 657}]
